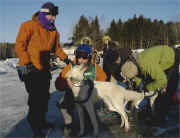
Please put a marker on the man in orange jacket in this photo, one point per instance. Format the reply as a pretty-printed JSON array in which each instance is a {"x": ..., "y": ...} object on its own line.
[
  {"x": 36, "y": 39},
  {"x": 83, "y": 56}
]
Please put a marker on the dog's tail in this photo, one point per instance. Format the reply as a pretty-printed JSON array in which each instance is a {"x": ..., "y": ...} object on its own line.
[{"x": 149, "y": 94}]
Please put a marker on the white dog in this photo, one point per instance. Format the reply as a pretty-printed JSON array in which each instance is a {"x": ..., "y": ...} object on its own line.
[{"x": 115, "y": 96}]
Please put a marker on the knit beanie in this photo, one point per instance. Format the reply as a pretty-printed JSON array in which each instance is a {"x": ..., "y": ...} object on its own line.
[
  {"x": 129, "y": 69},
  {"x": 49, "y": 8},
  {"x": 48, "y": 5}
]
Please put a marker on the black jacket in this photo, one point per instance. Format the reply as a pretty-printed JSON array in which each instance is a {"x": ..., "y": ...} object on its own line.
[
  {"x": 108, "y": 53},
  {"x": 110, "y": 56}
]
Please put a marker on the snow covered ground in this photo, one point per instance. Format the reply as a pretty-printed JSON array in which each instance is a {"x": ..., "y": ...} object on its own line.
[{"x": 13, "y": 103}]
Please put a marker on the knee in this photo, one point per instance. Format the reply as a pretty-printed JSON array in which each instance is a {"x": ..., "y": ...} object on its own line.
[{"x": 60, "y": 83}]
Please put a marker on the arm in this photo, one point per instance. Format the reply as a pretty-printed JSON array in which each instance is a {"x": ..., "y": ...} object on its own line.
[
  {"x": 59, "y": 51},
  {"x": 22, "y": 43},
  {"x": 158, "y": 76},
  {"x": 65, "y": 71},
  {"x": 100, "y": 75},
  {"x": 61, "y": 81}
]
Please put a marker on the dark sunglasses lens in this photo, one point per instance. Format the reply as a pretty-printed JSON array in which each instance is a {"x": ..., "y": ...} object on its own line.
[
  {"x": 54, "y": 11},
  {"x": 82, "y": 56},
  {"x": 85, "y": 57}
]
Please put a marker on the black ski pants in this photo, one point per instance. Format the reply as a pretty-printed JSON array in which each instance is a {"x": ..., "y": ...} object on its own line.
[
  {"x": 164, "y": 101},
  {"x": 37, "y": 84}
]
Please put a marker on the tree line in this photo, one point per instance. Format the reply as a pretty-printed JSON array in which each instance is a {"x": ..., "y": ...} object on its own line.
[
  {"x": 7, "y": 50},
  {"x": 137, "y": 32}
]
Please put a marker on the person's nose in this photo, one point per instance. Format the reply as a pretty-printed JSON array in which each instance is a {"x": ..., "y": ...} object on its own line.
[
  {"x": 80, "y": 60},
  {"x": 54, "y": 18}
]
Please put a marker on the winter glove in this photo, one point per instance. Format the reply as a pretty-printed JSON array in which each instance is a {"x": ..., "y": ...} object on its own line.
[
  {"x": 67, "y": 61},
  {"x": 162, "y": 90},
  {"x": 21, "y": 72},
  {"x": 24, "y": 70}
]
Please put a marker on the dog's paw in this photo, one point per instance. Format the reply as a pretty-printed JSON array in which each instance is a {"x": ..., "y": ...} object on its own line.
[
  {"x": 126, "y": 129},
  {"x": 80, "y": 134},
  {"x": 95, "y": 134}
]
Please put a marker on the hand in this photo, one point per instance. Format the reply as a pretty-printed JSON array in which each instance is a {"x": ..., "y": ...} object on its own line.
[
  {"x": 162, "y": 90},
  {"x": 22, "y": 71},
  {"x": 124, "y": 81},
  {"x": 67, "y": 61},
  {"x": 69, "y": 82}
]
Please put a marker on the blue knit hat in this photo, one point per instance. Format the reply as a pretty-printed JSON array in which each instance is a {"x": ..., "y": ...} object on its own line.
[{"x": 84, "y": 48}]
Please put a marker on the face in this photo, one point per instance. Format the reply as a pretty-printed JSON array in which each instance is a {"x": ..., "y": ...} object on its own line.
[
  {"x": 118, "y": 61},
  {"x": 82, "y": 61},
  {"x": 106, "y": 41},
  {"x": 51, "y": 18},
  {"x": 86, "y": 42}
]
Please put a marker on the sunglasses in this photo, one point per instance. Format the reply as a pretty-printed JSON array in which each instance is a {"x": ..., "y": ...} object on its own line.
[
  {"x": 53, "y": 11},
  {"x": 82, "y": 56}
]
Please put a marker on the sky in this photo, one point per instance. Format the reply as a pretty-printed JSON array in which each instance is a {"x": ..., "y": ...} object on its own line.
[{"x": 15, "y": 12}]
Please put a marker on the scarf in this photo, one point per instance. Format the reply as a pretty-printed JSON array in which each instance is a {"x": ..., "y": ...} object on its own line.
[{"x": 49, "y": 25}]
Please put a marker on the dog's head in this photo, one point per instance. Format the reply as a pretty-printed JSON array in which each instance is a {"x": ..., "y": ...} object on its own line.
[
  {"x": 76, "y": 73},
  {"x": 77, "y": 77}
]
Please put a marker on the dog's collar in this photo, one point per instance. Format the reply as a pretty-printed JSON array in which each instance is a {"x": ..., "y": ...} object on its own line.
[
  {"x": 77, "y": 83},
  {"x": 91, "y": 87}
]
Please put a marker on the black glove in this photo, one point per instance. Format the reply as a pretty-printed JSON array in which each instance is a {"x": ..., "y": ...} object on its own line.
[
  {"x": 21, "y": 72},
  {"x": 67, "y": 61},
  {"x": 24, "y": 70}
]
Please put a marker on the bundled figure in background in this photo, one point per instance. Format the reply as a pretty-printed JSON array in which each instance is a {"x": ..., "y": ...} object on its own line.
[
  {"x": 83, "y": 55},
  {"x": 95, "y": 55},
  {"x": 117, "y": 58},
  {"x": 86, "y": 41},
  {"x": 108, "y": 50},
  {"x": 158, "y": 67},
  {"x": 36, "y": 39}
]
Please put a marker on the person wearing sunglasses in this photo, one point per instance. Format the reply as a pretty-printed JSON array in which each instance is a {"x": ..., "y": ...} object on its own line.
[{"x": 83, "y": 55}]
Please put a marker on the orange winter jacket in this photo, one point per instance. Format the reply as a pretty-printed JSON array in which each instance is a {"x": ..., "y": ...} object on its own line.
[
  {"x": 100, "y": 75},
  {"x": 34, "y": 43},
  {"x": 61, "y": 83}
]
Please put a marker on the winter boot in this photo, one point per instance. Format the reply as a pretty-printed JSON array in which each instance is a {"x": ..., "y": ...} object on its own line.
[
  {"x": 38, "y": 134},
  {"x": 47, "y": 125},
  {"x": 69, "y": 131}
]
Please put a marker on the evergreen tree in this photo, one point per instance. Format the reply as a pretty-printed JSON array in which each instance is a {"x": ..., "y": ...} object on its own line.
[
  {"x": 138, "y": 32},
  {"x": 112, "y": 31},
  {"x": 81, "y": 29}
]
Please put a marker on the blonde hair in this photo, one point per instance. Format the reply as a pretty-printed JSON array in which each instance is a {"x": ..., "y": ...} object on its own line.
[
  {"x": 129, "y": 69},
  {"x": 86, "y": 40},
  {"x": 106, "y": 38}
]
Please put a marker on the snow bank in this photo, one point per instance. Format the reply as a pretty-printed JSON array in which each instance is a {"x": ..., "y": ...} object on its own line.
[{"x": 8, "y": 65}]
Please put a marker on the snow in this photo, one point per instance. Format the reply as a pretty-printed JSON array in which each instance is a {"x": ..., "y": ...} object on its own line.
[
  {"x": 13, "y": 102},
  {"x": 69, "y": 51},
  {"x": 138, "y": 50},
  {"x": 8, "y": 65}
]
